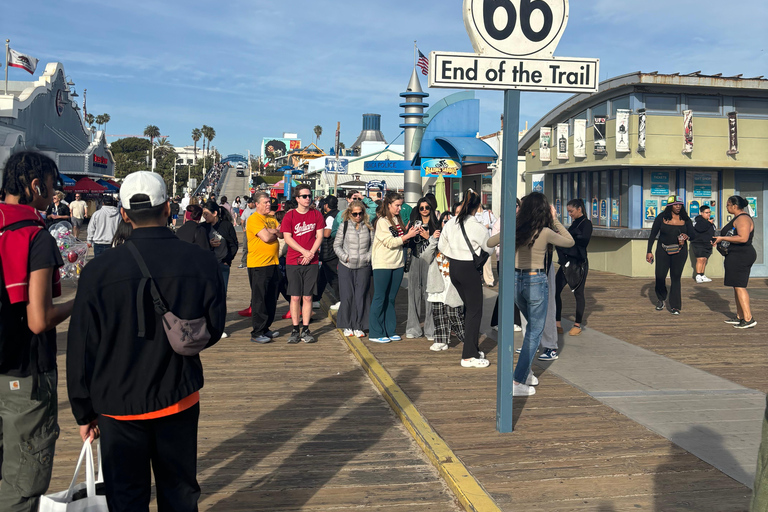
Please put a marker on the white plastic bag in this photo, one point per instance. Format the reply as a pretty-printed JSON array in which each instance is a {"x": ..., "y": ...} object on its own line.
[{"x": 69, "y": 500}]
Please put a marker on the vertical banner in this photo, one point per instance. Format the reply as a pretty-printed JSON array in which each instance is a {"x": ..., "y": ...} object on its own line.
[
  {"x": 733, "y": 135},
  {"x": 562, "y": 141},
  {"x": 600, "y": 148},
  {"x": 688, "y": 131},
  {"x": 641, "y": 118},
  {"x": 622, "y": 131},
  {"x": 580, "y": 138},
  {"x": 545, "y": 143}
]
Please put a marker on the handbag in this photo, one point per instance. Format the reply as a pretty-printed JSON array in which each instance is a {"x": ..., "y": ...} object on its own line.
[
  {"x": 479, "y": 260},
  {"x": 575, "y": 273},
  {"x": 82, "y": 497},
  {"x": 186, "y": 337}
]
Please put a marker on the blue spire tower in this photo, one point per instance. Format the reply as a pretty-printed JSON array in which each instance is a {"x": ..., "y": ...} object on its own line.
[{"x": 413, "y": 120}]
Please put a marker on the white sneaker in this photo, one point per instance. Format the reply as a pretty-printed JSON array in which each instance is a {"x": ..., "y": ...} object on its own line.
[
  {"x": 430, "y": 338},
  {"x": 411, "y": 336},
  {"x": 531, "y": 380},
  {"x": 706, "y": 279},
  {"x": 523, "y": 390},
  {"x": 316, "y": 305},
  {"x": 336, "y": 306},
  {"x": 359, "y": 334},
  {"x": 518, "y": 328},
  {"x": 348, "y": 332},
  {"x": 224, "y": 335},
  {"x": 700, "y": 279},
  {"x": 437, "y": 347},
  {"x": 475, "y": 363},
  {"x": 495, "y": 328}
]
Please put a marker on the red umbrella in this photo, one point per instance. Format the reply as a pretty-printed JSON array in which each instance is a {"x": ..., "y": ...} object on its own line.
[{"x": 86, "y": 186}]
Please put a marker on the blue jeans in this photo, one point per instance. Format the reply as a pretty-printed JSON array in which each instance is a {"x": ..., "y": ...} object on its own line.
[
  {"x": 225, "y": 274},
  {"x": 98, "y": 249},
  {"x": 532, "y": 297}
]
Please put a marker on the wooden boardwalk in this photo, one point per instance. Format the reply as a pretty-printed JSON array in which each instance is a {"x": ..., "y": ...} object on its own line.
[{"x": 289, "y": 428}]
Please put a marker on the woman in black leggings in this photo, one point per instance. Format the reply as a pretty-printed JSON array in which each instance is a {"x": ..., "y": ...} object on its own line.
[
  {"x": 581, "y": 231},
  {"x": 674, "y": 228}
]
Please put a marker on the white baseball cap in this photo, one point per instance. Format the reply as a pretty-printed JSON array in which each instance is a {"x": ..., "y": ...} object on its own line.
[{"x": 147, "y": 183}]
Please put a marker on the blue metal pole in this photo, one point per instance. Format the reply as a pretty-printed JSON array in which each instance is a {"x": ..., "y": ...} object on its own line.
[{"x": 507, "y": 277}]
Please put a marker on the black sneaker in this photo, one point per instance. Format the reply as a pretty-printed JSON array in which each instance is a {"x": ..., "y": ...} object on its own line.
[
  {"x": 295, "y": 337},
  {"x": 674, "y": 311},
  {"x": 307, "y": 337},
  {"x": 660, "y": 305},
  {"x": 734, "y": 321},
  {"x": 746, "y": 324}
]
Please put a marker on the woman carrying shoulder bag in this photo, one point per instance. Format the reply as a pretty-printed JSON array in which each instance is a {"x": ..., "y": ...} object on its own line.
[
  {"x": 463, "y": 241},
  {"x": 353, "y": 243},
  {"x": 388, "y": 261},
  {"x": 581, "y": 231}
]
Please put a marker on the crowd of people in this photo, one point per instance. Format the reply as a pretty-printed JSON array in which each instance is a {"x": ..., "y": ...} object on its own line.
[{"x": 148, "y": 412}]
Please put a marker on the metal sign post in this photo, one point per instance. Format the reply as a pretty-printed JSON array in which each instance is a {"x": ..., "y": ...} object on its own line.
[{"x": 514, "y": 42}]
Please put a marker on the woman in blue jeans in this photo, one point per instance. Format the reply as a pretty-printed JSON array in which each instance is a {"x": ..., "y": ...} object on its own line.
[{"x": 537, "y": 227}]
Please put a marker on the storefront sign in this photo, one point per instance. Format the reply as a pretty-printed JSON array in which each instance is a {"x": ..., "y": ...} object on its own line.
[
  {"x": 733, "y": 135},
  {"x": 387, "y": 166},
  {"x": 702, "y": 185},
  {"x": 603, "y": 210},
  {"x": 688, "y": 131},
  {"x": 614, "y": 210},
  {"x": 440, "y": 167},
  {"x": 594, "y": 208},
  {"x": 600, "y": 148},
  {"x": 622, "y": 131},
  {"x": 641, "y": 119},
  {"x": 580, "y": 138},
  {"x": 651, "y": 209},
  {"x": 100, "y": 161},
  {"x": 753, "y": 205},
  {"x": 562, "y": 141},
  {"x": 694, "y": 209},
  {"x": 659, "y": 183},
  {"x": 545, "y": 143}
]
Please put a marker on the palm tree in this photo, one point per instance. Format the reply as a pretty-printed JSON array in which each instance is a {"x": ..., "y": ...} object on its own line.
[
  {"x": 162, "y": 142},
  {"x": 105, "y": 119},
  {"x": 196, "y": 134},
  {"x": 209, "y": 133},
  {"x": 204, "y": 131},
  {"x": 100, "y": 120},
  {"x": 318, "y": 132},
  {"x": 89, "y": 120},
  {"x": 152, "y": 132}
]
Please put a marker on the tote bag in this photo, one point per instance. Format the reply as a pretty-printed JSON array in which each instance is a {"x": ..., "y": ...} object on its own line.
[{"x": 81, "y": 497}]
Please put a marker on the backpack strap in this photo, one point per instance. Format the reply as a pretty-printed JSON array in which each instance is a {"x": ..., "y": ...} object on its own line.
[
  {"x": 466, "y": 238},
  {"x": 22, "y": 224},
  {"x": 157, "y": 300}
]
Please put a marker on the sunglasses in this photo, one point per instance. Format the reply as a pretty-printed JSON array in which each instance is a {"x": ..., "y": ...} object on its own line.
[
  {"x": 357, "y": 214},
  {"x": 305, "y": 196},
  {"x": 424, "y": 208}
]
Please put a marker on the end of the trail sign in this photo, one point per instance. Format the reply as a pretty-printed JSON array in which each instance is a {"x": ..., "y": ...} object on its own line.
[{"x": 472, "y": 71}]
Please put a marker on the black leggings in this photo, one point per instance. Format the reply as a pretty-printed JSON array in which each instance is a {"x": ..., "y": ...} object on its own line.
[
  {"x": 467, "y": 280},
  {"x": 673, "y": 265},
  {"x": 581, "y": 302},
  {"x": 495, "y": 315}
]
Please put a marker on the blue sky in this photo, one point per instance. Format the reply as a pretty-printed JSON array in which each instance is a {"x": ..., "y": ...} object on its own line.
[{"x": 253, "y": 69}]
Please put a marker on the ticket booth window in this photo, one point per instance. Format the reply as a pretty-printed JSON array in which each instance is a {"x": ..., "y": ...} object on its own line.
[
  {"x": 702, "y": 187},
  {"x": 658, "y": 185}
]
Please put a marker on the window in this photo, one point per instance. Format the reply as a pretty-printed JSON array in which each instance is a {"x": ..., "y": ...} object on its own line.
[
  {"x": 704, "y": 104},
  {"x": 662, "y": 102},
  {"x": 624, "y": 199},
  {"x": 601, "y": 109},
  {"x": 620, "y": 102},
  {"x": 657, "y": 187},
  {"x": 604, "y": 199},
  {"x": 751, "y": 106}
]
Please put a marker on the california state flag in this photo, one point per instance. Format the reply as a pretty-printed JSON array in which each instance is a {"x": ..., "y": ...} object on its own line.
[{"x": 19, "y": 60}]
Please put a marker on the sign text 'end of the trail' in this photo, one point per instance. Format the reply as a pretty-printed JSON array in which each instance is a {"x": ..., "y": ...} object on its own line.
[{"x": 472, "y": 71}]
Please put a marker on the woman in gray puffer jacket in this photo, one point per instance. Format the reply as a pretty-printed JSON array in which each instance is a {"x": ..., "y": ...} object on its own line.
[{"x": 353, "y": 244}]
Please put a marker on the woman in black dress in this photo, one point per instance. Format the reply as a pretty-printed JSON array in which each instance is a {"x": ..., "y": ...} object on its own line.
[
  {"x": 674, "y": 228},
  {"x": 735, "y": 242}
]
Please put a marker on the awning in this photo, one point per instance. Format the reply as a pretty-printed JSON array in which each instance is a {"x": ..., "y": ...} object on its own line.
[
  {"x": 469, "y": 150},
  {"x": 68, "y": 182},
  {"x": 111, "y": 186},
  {"x": 86, "y": 186}
]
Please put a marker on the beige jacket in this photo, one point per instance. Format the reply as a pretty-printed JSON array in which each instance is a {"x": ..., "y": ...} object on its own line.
[{"x": 388, "y": 251}]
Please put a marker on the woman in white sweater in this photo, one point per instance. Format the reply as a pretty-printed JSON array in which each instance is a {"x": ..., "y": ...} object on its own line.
[
  {"x": 464, "y": 274},
  {"x": 388, "y": 262}
]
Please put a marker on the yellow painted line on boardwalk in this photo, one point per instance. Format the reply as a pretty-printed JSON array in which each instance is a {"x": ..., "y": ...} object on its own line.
[{"x": 472, "y": 496}]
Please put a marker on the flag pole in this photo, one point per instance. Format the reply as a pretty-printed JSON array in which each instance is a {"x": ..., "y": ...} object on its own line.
[
  {"x": 7, "y": 43},
  {"x": 415, "y": 49}
]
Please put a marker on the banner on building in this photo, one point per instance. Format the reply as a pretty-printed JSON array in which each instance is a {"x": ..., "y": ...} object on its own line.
[
  {"x": 622, "y": 131},
  {"x": 688, "y": 131},
  {"x": 580, "y": 138},
  {"x": 600, "y": 148},
  {"x": 641, "y": 118},
  {"x": 733, "y": 134},
  {"x": 562, "y": 141},
  {"x": 545, "y": 144}
]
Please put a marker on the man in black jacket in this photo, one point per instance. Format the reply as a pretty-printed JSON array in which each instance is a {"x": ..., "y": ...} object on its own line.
[
  {"x": 193, "y": 231},
  {"x": 125, "y": 382}
]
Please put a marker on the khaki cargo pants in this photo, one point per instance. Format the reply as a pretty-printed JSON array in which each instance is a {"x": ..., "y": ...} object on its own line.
[{"x": 28, "y": 436}]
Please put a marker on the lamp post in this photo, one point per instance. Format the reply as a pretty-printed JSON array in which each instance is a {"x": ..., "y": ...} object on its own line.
[{"x": 175, "y": 161}]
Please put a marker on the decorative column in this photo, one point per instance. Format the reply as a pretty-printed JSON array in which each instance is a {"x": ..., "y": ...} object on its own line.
[{"x": 413, "y": 119}]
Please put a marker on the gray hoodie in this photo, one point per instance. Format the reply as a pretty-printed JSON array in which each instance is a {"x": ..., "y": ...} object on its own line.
[{"x": 103, "y": 224}]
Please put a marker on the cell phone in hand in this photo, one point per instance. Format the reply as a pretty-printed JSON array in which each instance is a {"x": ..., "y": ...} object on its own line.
[{"x": 417, "y": 224}]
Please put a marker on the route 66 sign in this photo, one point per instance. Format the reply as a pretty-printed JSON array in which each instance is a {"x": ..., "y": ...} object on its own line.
[{"x": 519, "y": 28}]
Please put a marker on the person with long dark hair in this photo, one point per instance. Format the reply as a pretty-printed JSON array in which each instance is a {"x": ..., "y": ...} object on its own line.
[
  {"x": 388, "y": 261},
  {"x": 736, "y": 241},
  {"x": 537, "y": 228},
  {"x": 424, "y": 219},
  {"x": 462, "y": 239},
  {"x": 673, "y": 228},
  {"x": 219, "y": 224},
  {"x": 581, "y": 231}
]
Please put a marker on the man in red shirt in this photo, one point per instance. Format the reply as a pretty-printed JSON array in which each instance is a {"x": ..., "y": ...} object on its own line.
[{"x": 302, "y": 229}]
